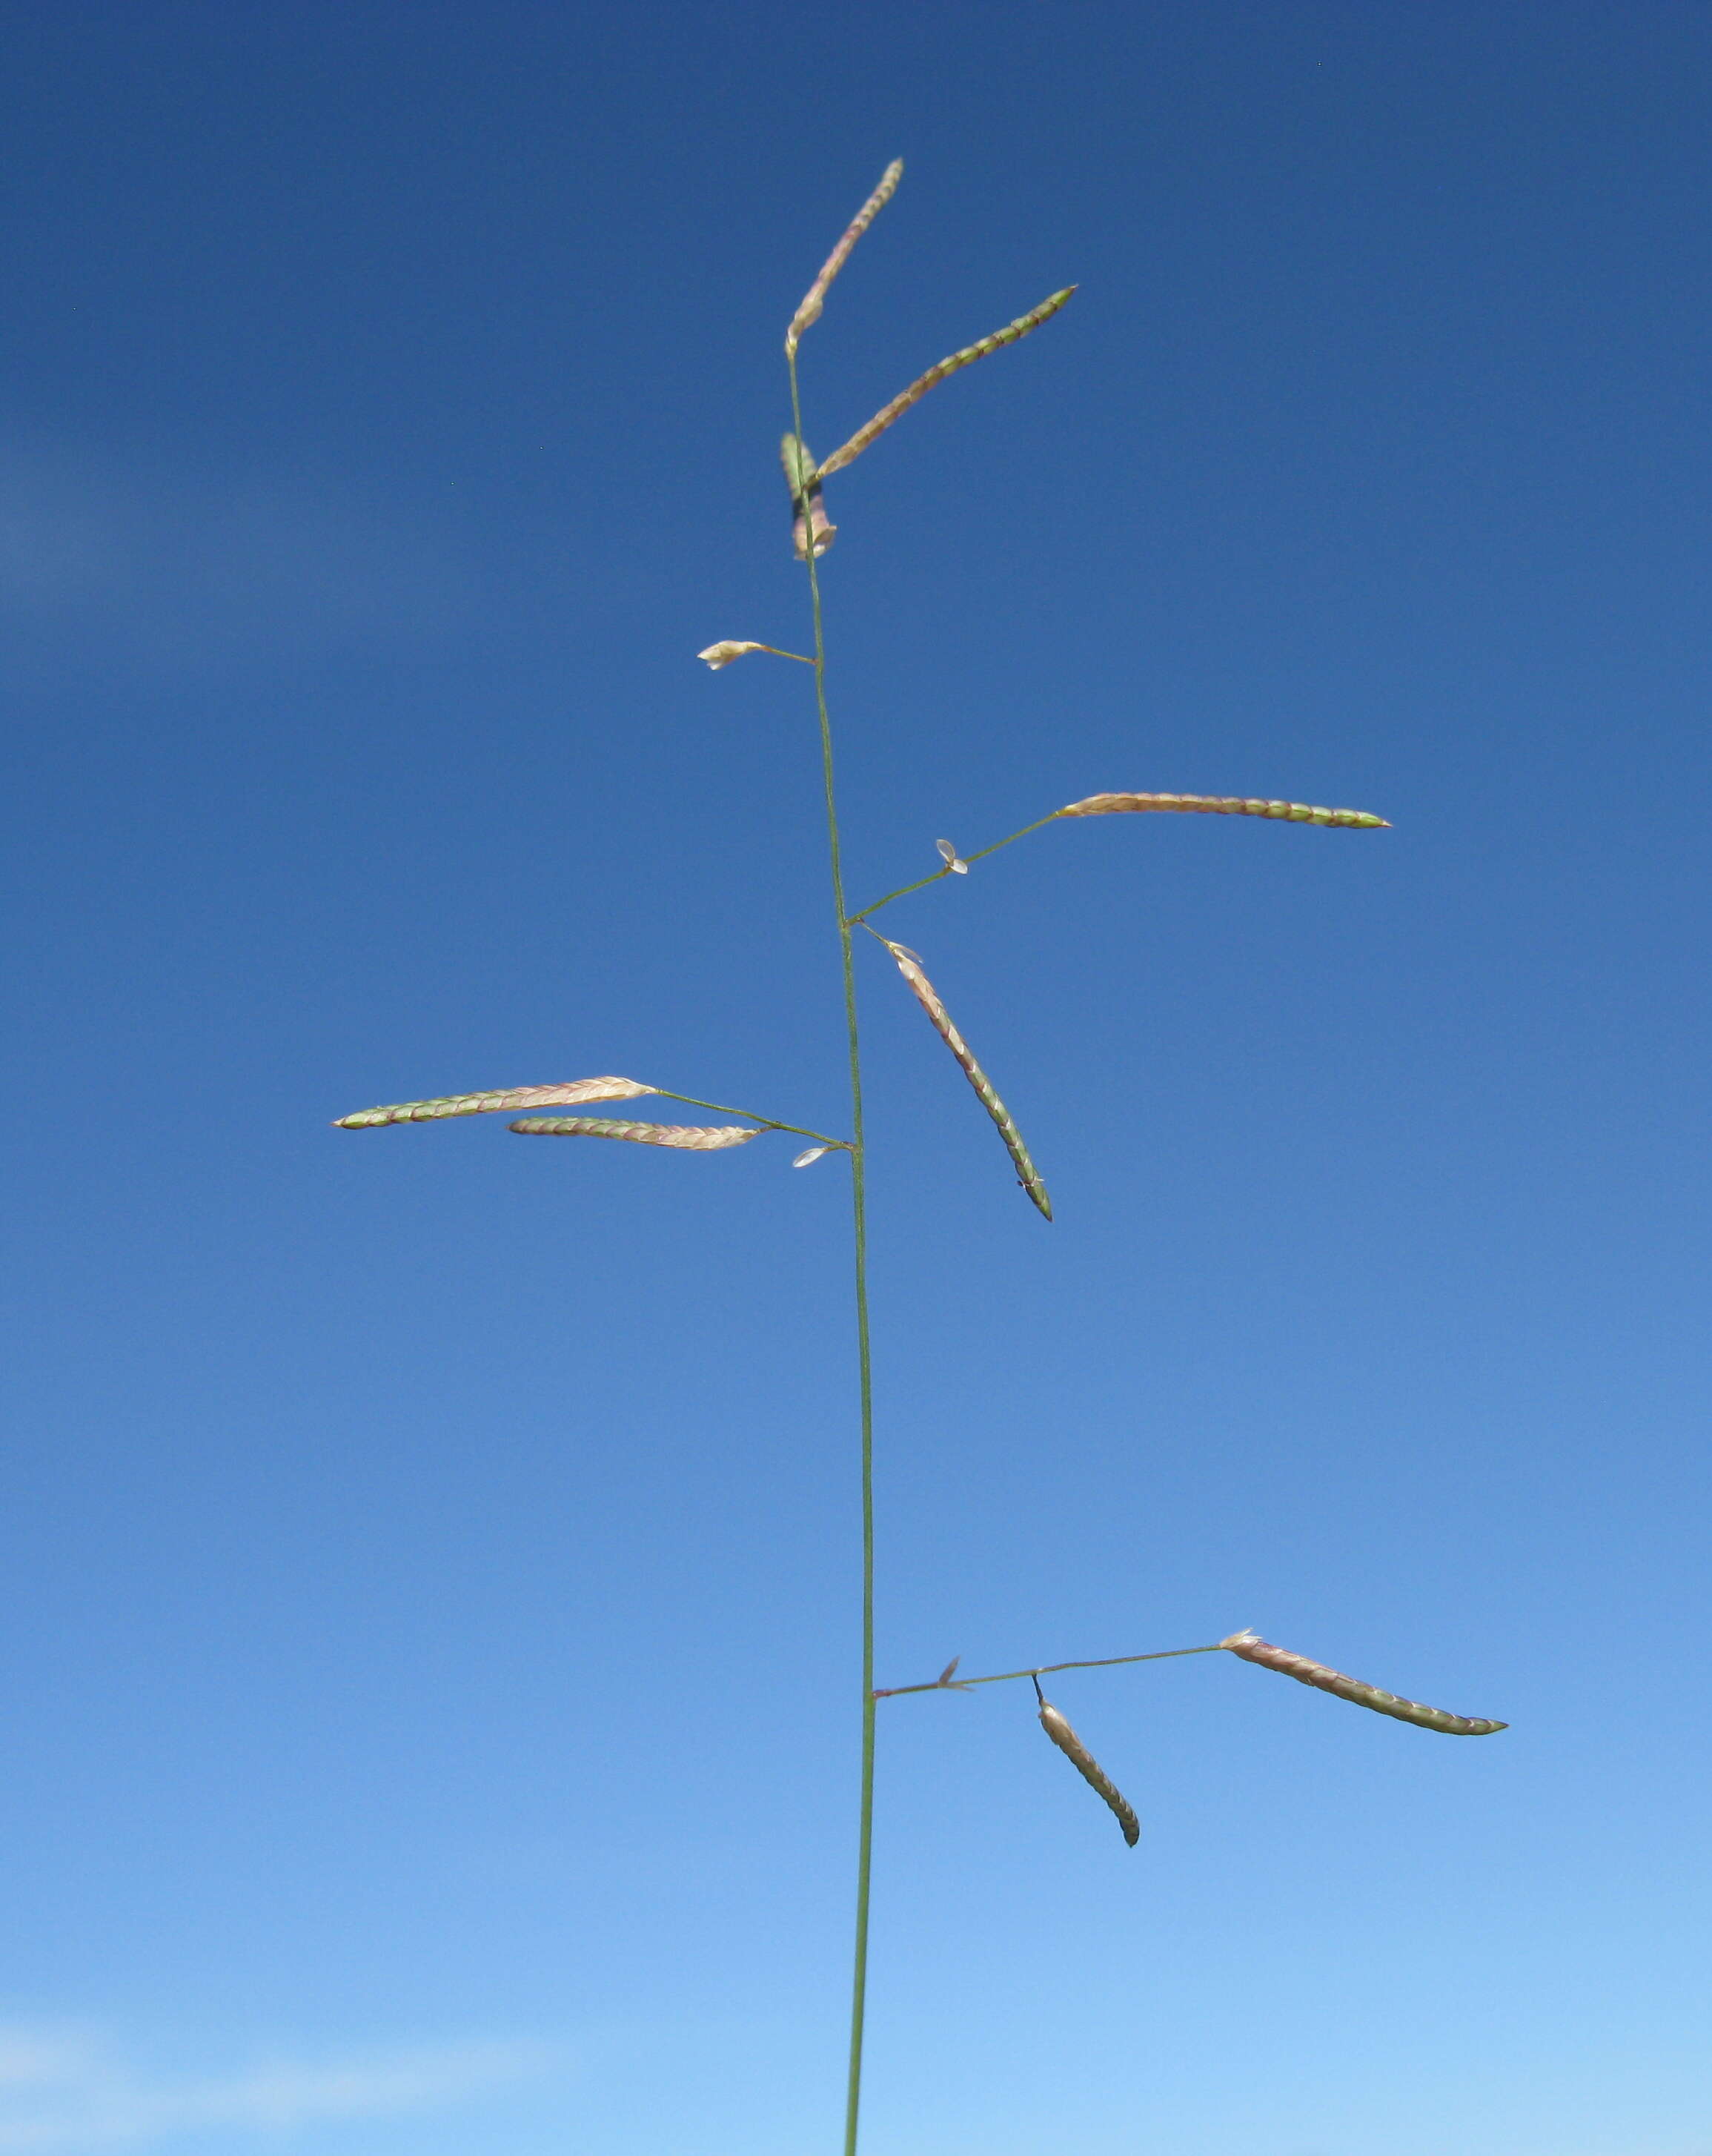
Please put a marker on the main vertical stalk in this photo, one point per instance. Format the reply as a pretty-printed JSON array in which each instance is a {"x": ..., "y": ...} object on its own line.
[{"x": 859, "y": 1190}]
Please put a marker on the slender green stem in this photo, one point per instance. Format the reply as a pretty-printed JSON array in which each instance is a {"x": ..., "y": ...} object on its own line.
[
  {"x": 939, "y": 875},
  {"x": 859, "y": 1185},
  {"x": 1044, "y": 1670},
  {"x": 767, "y": 1122}
]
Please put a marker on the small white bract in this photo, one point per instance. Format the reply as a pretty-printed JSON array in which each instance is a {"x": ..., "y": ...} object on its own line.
[
  {"x": 721, "y": 654},
  {"x": 948, "y": 854},
  {"x": 813, "y": 1153}
]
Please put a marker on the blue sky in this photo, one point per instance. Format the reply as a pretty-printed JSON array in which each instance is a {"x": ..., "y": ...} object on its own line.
[{"x": 429, "y": 1560}]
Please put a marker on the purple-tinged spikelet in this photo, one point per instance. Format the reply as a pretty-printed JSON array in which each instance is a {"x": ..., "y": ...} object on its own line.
[
  {"x": 1224, "y": 804},
  {"x": 688, "y": 1138},
  {"x": 892, "y": 412},
  {"x": 570, "y": 1095},
  {"x": 1253, "y": 1649},
  {"x": 809, "y": 311}
]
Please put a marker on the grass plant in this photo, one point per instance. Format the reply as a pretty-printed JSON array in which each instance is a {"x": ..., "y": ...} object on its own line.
[{"x": 813, "y": 535}]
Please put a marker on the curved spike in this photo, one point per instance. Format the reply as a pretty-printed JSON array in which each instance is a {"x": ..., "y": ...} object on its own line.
[
  {"x": 892, "y": 412},
  {"x": 809, "y": 311},
  {"x": 1090, "y": 1769},
  {"x": 686, "y": 1138},
  {"x": 909, "y": 966},
  {"x": 1266, "y": 1656},
  {"x": 487, "y": 1103},
  {"x": 1224, "y": 804}
]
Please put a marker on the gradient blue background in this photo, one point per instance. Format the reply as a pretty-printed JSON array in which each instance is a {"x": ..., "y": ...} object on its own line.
[{"x": 428, "y": 1583}]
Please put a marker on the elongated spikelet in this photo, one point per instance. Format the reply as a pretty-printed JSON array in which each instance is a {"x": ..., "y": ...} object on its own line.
[
  {"x": 487, "y": 1104},
  {"x": 1224, "y": 804},
  {"x": 809, "y": 311},
  {"x": 1304, "y": 1671},
  {"x": 1090, "y": 1769},
  {"x": 935, "y": 375},
  {"x": 1027, "y": 1173},
  {"x": 688, "y": 1138}
]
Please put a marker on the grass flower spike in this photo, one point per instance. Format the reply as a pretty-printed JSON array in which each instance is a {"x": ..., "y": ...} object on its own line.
[
  {"x": 889, "y": 414},
  {"x": 684, "y": 1139},
  {"x": 909, "y": 966},
  {"x": 809, "y": 311},
  {"x": 1223, "y": 804},
  {"x": 580, "y": 1090},
  {"x": 1266, "y": 1656},
  {"x": 1088, "y": 1766}
]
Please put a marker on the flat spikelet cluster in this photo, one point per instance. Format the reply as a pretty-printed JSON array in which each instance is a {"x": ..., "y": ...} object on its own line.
[
  {"x": 1090, "y": 1769},
  {"x": 909, "y": 966},
  {"x": 686, "y": 1138},
  {"x": 889, "y": 414},
  {"x": 578, "y": 1090},
  {"x": 1223, "y": 804},
  {"x": 1266, "y": 1656},
  {"x": 809, "y": 311}
]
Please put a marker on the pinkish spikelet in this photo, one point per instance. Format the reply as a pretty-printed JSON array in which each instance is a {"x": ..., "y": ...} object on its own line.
[
  {"x": 809, "y": 311},
  {"x": 568, "y": 1096},
  {"x": 688, "y": 1138},
  {"x": 1223, "y": 804},
  {"x": 889, "y": 414}
]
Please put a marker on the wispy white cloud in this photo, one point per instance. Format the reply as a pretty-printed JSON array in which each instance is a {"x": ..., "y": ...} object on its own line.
[
  {"x": 180, "y": 563},
  {"x": 72, "y": 2093}
]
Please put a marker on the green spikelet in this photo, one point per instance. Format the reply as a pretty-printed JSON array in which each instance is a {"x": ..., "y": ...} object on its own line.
[
  {"x": 1027, "y": 1173},
  {"x": 1266, "y": 1656},
  {"x": 799, "y": 466},
  {"x": 935, "y": 375},
  {"x": 685, "y": 1139},
  {"x": 487, "y": 1104},
  {"x": 1223, "y": 804},
  {"x": 809, "y": 525}
]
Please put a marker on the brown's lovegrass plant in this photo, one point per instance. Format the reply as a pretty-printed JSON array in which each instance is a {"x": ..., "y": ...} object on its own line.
[{"x": 813, "y": 534}]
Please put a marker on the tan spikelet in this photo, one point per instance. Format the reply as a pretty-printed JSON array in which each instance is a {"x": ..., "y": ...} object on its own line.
[
  {"x": 889, "y": 414},
  {"x": 1090, "y": 1769},
  {"x": 570, "y": 1095},
  {"x": 909, "y": 966},
  {"x": 1223, "y": 804},
  {"x": 686, "y": 1138},
  {"x": 1263, "y": 1653},
  {"x": 809, "y": 311}
]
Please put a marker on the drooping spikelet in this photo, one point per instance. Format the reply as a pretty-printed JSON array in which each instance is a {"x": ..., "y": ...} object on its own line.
[
  {"x": 688, "y": 1138},
  {"x": 809, "y": 311},
  {"x": 1088, "y": 1767},
  {"x": 1224, "y": 804},
  {"x": 925, "y": 994},
  {"x": 1253, "y": 1649},
  {"x": 569, "y": 1096},
  {"x": 919, "y": 388}
]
